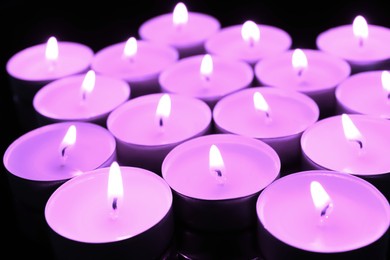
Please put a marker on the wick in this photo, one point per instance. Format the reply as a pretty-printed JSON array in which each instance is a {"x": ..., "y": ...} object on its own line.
[
  {"x": 361, "y": 42},
  {"x": 388, "y": 96},
  {"x": 251, "y": 43},
  {"x": 219, "y": 173},
  {"x": 300, "y": 72},
  {"x": 360, "y": 143},
  {"x": 63, "y": 151},
  {"x": 161, "y": 122},
  {"x": 323, "y": 212},
  {"x": 115, "y": 203},
  {"x": 206, "y": 78}
]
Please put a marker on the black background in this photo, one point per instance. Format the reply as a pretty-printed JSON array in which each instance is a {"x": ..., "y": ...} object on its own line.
[{"x": 98, "y": 24}]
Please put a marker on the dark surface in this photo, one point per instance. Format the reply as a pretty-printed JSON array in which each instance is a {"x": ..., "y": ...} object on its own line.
[{"x": 101, "y": 23}]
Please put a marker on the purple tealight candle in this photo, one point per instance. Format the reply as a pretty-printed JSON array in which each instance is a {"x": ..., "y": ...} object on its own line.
[{"x": 322, "y": 214}]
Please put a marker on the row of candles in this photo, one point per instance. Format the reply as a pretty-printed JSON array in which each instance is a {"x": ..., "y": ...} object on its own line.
[{"x": 205, "y": 122}]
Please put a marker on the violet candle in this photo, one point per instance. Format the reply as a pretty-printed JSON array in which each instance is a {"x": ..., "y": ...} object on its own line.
[
  {"x": 138, "y": 62},
  {"x": 207, "y": 77},
  {"x": 365, "y": 93},
  {"x": 36, "y": 66},
  {"x": 312, "y": 72},
  {"x": 249, "y": 42},
  {"x": 365, "y": 46},
  {"x": 146, "y": 128},
  {"x": 355, "y": 144},
  {"x": 87, "y": 97},
  {"x": 217, "y": 178},
  {"x": 322, "y": 214},
  {"x": 111, "y": 213},
  {"x": 186, "y": 31},
  {"x": 275, "y": 116}
]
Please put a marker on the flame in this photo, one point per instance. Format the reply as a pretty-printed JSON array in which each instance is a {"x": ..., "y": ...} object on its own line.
[
  {"x": 130, "y": 49},
  {"x": 385, "y": 77},
  {"x": 115, "y": 186},
  {"x": 180, "y": 15},
  {"x": 51, "y": 51},
  {"x": 88, "y": 84},
  {"x": 163, "y": 109},
  {"x": 216, "y": 164},
  {"x": 260, "y": 103},
  {"x": 68, "y": 141},
  {"x": 206, "y": 67},
  {"x": 351, "y": 132},
  {"x": 321, "y": 199},
  {"x": 250, "y": 32},
  {"x": 360, "y": 29},
  {"x": 299, "y": 61}
]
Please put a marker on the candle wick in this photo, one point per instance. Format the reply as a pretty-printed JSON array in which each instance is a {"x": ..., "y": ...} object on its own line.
[
  {"x": 251, "y": 43},
  {"x": 63, "y": 150},
  {"x": 115, "y": 203},
  {"x": 219, "y": 173},
  {"x": 206, "y": 78},
  {"x": 388, "y": 96},
  {"x": 361, "y": 41},
  {"x": 300, "y": 72},
  {"x": 360, "y": 143},
  {"x": 324, "y": 210},
  {"x": 161, "y": 122}
]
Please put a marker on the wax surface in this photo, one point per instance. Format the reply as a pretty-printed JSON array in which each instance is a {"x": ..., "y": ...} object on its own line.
[
  {"x": 250, "y": 166},
  {"x": 197, "y": 30},
  {"x": 360, "y": 215},
  {"x": 341, "y": 42},
  {"x": 150, "y": 60},
  {"x": 324, "y": 71},
  {"x": 228, "y": 42},
  {"x": 135, "y": 121},
  {"x": 290, "y": 112},
  {"x": 364, "y": 94},
  {"x": 62, "y": 99},
  {"x": 80, "y": 210},
  {"x": 325, "y": 144},
  {"x": 30, "y": 64},
  {"x": 184, "y": 77},
  {"x": 39, "y": 152}
]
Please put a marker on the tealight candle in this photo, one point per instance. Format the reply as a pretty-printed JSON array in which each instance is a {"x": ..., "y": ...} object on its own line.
[
  {"x": 185, "y": 31},
  {"x": 365, "y": 46},
  {"x": 38, "y": 65},
  {"x": 217, "y": 178},
  {"x": 365, "y": 93},
  {"x": 44, "y": 158},
  {"x": 148, "y": 127},
  {"x": 275, "y": 116},
  {"x": 355, "y": 144},
  {"x": 138, "y": 62},
  {"x": 249, "y": 42},
  {"x": 88, "y": 97},
  {"x": 322, "y": 214},
  {"x": 312, "y": 72},
  {"x": 206, "y": 77},
  {"x": 116, "y": 213}
]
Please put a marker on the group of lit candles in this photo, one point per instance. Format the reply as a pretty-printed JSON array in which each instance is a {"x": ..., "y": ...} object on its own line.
[{"x": 222, "y": 128}]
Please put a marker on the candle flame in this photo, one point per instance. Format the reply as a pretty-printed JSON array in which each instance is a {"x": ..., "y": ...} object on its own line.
[
  {"x": 114, "y": 187},
  {"x": 206, "y": 67},
  {"x": 51, "y": 52},
  {"x": 321, "y": 199},
  {"x": 180, "y": 15},
  {"x": 260, "y": 103},
  {"x": 88, "y": 84},
  {"x": 385, "y": 77},
  {"x": 163, "y": 110},
  {"x": 216, "y": 164},
  {"x": 130, "y": 49},
  {"x": 351, "y": 132},
  {"x": 299, "y": 61},
  {"x": 68, "y": 141},
  {"x": 360, "y": 29},
  {"x": 250, "y": 33}
]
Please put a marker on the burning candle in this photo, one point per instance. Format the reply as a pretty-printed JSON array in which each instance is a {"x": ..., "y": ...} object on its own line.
[
  {"x": 138, "y": 62},
  {"x": 355, "y": 144},
  {"x": 36, "y": 66},
  {"x": 206, "y": 77},
  {"x": 312, "y": 72},
  {"x": 148, "y": 127},
  {"x": 365, "y": 46},
  {"x": 365, "y": 93},
  {"x": 275, "y": 116},
  {"x": 44, "y": 158},
  {"x": 249, "y": 42},
  {"x": 322, "y": 214},
  {"x": 87, "y": 97},
  {"x": 186, "y": 31},
  {"x": 114, "y": 212},
  {"x": 217, "y": 178}
]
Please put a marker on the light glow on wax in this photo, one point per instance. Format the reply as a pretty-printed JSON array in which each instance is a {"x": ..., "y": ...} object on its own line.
[
  {"x": 299, "y": 61},
  {"x": 351, "y": 132},
  {"x": 360, "y": 29},
  {"x": 321, "y": 200},
  {"x": 250, "y": 33},
  {"x": 115, "y": 188},
  {"x": 206, "y": 67},
  {"x": 88, "y": 84},
  {"x": 385, "y": 77},
  {"x": 216, "y": 164},
  {"x": 130, "y": 49},
  {"x": 68, "y": 141},
  {"x": 51, "y": 51},
  {"x": 180, "y": 15},
  {"x": 163, "y": 110},
  {"x": 260, "y": 103}
]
